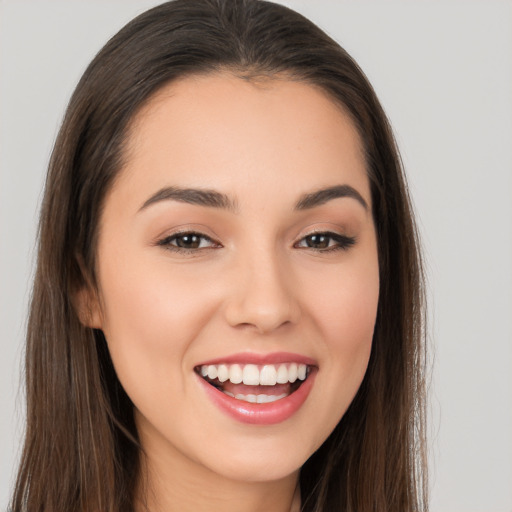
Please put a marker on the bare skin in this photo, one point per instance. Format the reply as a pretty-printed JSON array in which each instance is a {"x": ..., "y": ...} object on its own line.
[{"x": 273, "y": 269}]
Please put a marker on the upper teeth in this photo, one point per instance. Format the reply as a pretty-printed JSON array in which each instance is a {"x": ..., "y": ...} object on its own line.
[{"x": 253, "y": 375}]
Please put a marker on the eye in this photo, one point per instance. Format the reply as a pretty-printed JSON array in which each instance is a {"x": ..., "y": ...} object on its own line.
[
  {"x": 326, "y": 241},
  {"x": 187, "y": 241}
]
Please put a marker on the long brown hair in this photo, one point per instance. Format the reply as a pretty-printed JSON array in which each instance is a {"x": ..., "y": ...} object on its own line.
[{"x": 81, "y": 451}]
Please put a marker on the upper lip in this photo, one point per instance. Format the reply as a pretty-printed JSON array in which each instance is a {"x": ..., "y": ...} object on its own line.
[{"x": 261, "y": 359}]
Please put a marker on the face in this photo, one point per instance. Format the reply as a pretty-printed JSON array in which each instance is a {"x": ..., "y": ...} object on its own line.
[{"x": 238, "y": 274}]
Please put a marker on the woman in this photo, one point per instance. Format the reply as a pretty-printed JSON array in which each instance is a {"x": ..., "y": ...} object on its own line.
[{"x": 227, "y": 309}]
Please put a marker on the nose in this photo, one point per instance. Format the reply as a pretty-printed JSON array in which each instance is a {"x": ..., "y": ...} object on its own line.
[{"x": 263, "y": 293}]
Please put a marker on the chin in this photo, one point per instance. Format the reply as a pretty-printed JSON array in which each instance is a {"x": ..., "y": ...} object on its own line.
[{"x": 262, "y": 470}]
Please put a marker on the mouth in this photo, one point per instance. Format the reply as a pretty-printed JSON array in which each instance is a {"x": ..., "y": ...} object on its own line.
[{"x": 255, "y": 384}]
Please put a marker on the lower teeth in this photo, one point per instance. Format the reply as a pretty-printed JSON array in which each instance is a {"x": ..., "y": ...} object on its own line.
[{"x": 257, "y": 399}]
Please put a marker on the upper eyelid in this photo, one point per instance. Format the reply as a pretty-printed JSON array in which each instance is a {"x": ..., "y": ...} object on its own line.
[
  {"x": 329, "y": 234},
  {"x": 162, "y": 240},
  {"x": 336, "y": 227},
  {"x": 181, "y": 231},
  {"x": 188, "y": 232},
  {"x": 326, "y": 232},
  {"x": 344, "y": 241}
]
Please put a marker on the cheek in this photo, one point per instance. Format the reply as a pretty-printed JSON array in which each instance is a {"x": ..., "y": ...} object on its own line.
[
  {"x": 350, "y": 317},
  {"x": 150, "y": 316},
  {"x": 346, "y": 307},
  {"x": 345, "y": 314},
  {"x": 348, "y": 334}
]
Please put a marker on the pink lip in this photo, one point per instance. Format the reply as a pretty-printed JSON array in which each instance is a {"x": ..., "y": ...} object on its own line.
[
  {"x": 261, "y": 359},
  {"x": 260, "y": 414}
]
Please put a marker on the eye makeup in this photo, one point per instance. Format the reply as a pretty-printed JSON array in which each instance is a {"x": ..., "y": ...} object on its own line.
[
  {"x": 326, "y": 241},
  {"x": 188, "y": 241},
  {"x": 192, "y": 241}
]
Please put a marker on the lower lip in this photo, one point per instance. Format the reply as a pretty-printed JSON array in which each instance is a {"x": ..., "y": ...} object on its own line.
[{"x": 260, "y": 414}]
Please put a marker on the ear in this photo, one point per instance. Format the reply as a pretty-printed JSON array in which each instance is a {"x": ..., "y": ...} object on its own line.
[
  {"x": 85, "y": 299},
  {"x": 87, "y": 306}
]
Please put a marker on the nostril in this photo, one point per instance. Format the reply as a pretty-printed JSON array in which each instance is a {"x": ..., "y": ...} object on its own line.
[
  {"x": 264, "y": 302},
  {"x": 262, "y": 322}
]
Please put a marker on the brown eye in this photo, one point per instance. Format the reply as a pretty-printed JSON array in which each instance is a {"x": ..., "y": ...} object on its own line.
[
  {"x": 318, "y": 241},
  {"x": 187, "y": 242},
  {"x": 325, "y": 242}
]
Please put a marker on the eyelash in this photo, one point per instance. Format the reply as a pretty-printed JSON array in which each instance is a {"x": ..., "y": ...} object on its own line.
[
  {"x": 167, "y": 242},
  {"x": 342, "y": 242}
]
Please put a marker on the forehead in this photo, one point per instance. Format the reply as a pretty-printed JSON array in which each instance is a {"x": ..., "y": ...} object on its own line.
[{"x": 209, "y": 130}]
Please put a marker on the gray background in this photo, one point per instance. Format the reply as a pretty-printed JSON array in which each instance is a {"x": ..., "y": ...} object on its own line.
[{"x": 443, "y": 71}]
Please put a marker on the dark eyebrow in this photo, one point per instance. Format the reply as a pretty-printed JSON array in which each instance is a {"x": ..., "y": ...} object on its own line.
[
  {"x": 324, "y": 195},
  {"x": 201, "y": 197}
]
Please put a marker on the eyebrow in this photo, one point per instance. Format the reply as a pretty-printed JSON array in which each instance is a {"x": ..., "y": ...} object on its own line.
[
  {"x": 215, "y": 199},
  {"x": 201, "y": 197},
  {"x": 324, "y": 195}
]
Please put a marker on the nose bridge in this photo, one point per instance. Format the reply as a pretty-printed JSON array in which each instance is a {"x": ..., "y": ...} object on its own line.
[{"x": 263, "y": 294}]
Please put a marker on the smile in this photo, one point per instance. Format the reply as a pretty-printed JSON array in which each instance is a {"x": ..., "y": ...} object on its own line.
[
  {"x": 255, "y": 383},
  {"x": 264, "y": 390}
]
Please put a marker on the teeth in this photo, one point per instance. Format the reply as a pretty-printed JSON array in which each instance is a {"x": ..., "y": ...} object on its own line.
[
  {"x": 293, "y": 372},
  {"x": 268, "y": 375},
  {"x": 235, "y": 374},
  {"x": 252, "y": 375},
  {"x": 212, "y": 372},
  {"x": 223, "y": 373},
  {"x": 282, "y": 374},
  {"x": 257, "y": 399}
]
